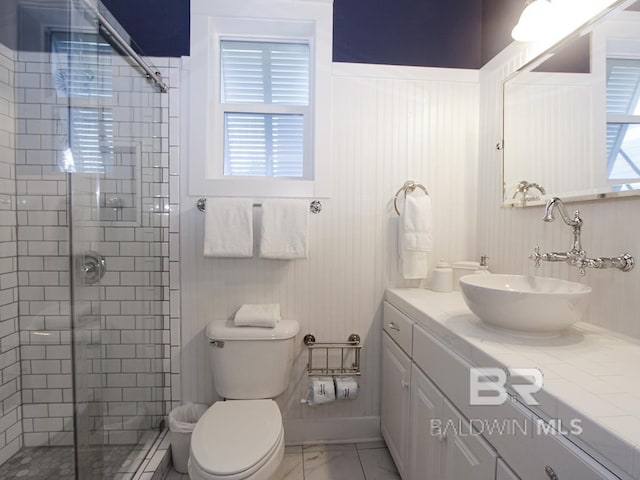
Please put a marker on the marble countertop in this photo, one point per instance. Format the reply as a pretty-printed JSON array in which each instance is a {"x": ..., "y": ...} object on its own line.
[{"x": 589, "y": 372}]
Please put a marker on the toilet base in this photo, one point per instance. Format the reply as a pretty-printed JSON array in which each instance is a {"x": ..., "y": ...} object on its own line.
[{"x": 265, "y": 472}]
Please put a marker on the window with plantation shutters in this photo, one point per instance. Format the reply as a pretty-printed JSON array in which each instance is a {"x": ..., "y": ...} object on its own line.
[
  {"x": 260, "y": 99},
  {"x": 266, "y": 108},
  {"x": 623, "y": 119}
]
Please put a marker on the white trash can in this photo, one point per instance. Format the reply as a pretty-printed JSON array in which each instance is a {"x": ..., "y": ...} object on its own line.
[{"x": 182, "y": 421}]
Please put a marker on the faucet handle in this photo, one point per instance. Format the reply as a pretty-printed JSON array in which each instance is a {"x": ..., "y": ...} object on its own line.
[{"x": 536, "y": 256}]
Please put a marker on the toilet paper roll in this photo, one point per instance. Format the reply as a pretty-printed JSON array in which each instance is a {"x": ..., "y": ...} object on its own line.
[
  {"x": 346, "y": 388},
  {"x": 321, "y": 390}
]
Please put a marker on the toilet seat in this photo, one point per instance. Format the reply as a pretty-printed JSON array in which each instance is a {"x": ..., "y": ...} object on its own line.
[{"x": 237, "y": 440}]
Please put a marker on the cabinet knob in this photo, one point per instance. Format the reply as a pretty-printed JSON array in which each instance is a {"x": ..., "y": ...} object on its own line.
[
  {"x": 393, "y": 326},
  {"x": 550, "y": 473}
]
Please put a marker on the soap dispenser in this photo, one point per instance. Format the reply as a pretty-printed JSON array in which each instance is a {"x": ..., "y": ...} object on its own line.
[
  {"x": 442, "y": 277},
  {"x": 484, "y": 268}
]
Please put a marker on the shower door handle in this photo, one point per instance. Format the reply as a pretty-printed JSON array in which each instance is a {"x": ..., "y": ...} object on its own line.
[{"x": 93, "y": 267}]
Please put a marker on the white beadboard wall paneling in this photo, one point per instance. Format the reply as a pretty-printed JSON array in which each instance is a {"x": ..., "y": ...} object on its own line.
[
  {"x": 390, "y": 124},
  {"x": 509, "y": 235}
]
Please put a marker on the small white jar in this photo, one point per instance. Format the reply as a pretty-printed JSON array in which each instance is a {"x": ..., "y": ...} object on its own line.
[{"x": 442, "y": 280}]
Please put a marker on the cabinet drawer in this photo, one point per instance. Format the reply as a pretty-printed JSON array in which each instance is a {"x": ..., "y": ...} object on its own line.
[
  {"x": 564, "y": 458},
  {"x": 398, "y": 326}
]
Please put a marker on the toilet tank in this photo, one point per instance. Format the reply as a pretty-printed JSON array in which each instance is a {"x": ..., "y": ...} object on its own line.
[{"x": 251, "y": 362}]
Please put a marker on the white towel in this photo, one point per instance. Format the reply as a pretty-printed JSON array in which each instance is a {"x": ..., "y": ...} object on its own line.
[
  {"x": 258, "y": 315},
  {"x": 228, "y": 230},
  {"x": 284, "y": 229},
  {"x": 415, "y": 236}
]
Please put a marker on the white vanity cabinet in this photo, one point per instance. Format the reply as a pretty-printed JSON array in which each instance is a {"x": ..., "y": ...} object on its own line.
[
  {"x": 425, "y": 384},
  {"x": 440, "y": 447},
  {"x": 467, "y": 454},
  {"x": 396, "y": 377},
  {"x": 426, "y": 439},
  {"x": 413, "y": 408}
]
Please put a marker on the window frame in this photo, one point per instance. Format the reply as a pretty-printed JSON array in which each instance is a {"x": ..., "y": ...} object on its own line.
[{"x": 265, "y": 20}]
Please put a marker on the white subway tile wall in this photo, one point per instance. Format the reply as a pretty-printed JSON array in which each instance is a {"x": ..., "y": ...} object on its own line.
[
  {"x": 10, "y": 383},
  {"x": 125, "y": 347}
]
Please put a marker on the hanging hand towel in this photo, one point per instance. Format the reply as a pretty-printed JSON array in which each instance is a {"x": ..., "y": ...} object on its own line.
[
  {"x": 415, "y": 236},
  {"x": 228, "y": 230},
  {"x": 284, "y": 229},
  {"x": 258, "y": 315}
]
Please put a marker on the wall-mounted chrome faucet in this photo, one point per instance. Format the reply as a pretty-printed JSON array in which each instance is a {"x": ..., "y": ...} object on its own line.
[{"x": 576, "y": 256}]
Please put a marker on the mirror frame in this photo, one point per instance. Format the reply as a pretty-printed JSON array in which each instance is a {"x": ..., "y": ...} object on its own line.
[{"x": 537, "y": 60}]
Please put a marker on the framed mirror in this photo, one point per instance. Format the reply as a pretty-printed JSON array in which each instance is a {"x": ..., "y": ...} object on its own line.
[{"x": 571, "y": 118}]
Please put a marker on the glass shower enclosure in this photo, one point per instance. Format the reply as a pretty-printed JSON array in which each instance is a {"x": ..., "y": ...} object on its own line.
[{"x": 88, "y": 151}]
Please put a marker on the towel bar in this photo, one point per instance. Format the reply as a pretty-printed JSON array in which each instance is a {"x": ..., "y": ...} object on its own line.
[
  {"x": 314, "y": 207},
  {"x": 409, "y": 186},
  {"x": 353, "y": 344}
]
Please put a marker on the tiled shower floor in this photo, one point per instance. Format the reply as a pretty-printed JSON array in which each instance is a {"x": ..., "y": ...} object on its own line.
[{"x": 49, "y": 463}]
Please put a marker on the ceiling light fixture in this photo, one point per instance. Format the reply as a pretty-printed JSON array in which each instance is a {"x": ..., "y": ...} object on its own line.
[
  {"x": 533, "y": 22},
  {"x": 553, "y": 19}
]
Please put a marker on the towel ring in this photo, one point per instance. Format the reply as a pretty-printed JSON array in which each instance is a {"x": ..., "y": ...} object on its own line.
[{"x": 408, "y": 187}]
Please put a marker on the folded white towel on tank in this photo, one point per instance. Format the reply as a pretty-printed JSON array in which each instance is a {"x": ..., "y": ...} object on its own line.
[{"x": 258, "y": 315}]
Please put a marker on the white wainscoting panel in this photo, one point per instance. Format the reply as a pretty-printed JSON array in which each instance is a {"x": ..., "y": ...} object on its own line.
[{"x": 390, "y": 124}]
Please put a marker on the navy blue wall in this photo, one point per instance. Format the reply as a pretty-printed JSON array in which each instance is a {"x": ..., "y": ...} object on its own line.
[
  {"x": 160, "y": 28},
  {"x": 434, "y": 33},
  {"x": 431, "y": 33}
]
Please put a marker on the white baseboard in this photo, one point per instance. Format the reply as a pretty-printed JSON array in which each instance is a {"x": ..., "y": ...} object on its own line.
[{"x": 331, "y": 430}]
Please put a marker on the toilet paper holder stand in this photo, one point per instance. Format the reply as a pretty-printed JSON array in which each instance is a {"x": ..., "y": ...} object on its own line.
[{"x": 335, "y": 358}]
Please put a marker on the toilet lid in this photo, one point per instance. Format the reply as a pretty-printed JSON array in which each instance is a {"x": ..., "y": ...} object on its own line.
[{"x": 235, "y": 435}]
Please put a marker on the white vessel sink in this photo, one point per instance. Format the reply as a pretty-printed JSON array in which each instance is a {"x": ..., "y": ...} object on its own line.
[{"x": 525, "y": 303}]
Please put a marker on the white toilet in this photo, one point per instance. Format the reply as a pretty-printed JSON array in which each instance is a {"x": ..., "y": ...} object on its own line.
[{"x": 242, "y": 438}]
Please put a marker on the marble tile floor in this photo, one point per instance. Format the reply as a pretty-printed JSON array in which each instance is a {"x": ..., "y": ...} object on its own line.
[{"x": 361, "y": 461}]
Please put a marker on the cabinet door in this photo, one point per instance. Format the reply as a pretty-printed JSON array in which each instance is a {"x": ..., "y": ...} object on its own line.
[
  {"x": 426, "y": 442},
  {"x": 394, "y": 414},
  {"x": 503, "y": 472},
  {"x": 467, "y": 454}
]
